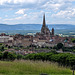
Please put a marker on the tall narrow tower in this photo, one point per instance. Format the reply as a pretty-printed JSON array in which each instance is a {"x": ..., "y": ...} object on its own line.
[
  {"x": 44, "y": 24},
  {"x": 45, "y": 30}
]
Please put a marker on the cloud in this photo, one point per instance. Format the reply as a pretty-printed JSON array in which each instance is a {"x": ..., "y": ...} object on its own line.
[
  {"x": 21, "y": 11},
  {"x": 57, "y": 4},
  {"x": 36, "y": 4},
  {"x": 32, "y": 10},
  {"x": 16, "y": 1},
  {"x": 0, "y": 18},
  {"x": 25, "y": 15},
  {"x": 16, "y": 18},
  {"x": 65, "y": 14}
]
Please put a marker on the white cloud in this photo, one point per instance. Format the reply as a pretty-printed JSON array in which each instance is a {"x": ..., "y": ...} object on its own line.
[
  {"x": 65, "y": 14},
  {"x": 36, "y": 4},
  {"x": 24, "y": 1},
  {"x": 16, "y": 18},
  {"x": 21, "y": 11},
  {"x": 5, "y": 1},
  {"x": 8, "y": 19},
  {"x": 0, "y": 18},
  {"x": 36, "y": 8},
  {"x": 25, "y": 15},
  {"x": 16, "y": 1}
]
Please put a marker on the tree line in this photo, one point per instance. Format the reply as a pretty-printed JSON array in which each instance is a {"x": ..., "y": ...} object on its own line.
[{"x": 65, "y": 59}]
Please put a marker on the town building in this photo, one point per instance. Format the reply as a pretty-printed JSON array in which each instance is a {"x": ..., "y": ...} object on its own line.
[
  {"x": 22, "y": 40},
  {"x": 5, "y": 38}
]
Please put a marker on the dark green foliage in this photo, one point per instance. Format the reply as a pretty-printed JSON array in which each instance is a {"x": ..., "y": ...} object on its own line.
[
  {"x": 11, "y": 56},
  {"x": 1, "y": 48},
  {"x": 8, "y": 56},
  {"x": 55, "y": 47},
  {"x": 73, "y": 40},
  {"x": 19, "y": 56},
  {"x": 65, "y": 59},
  {"x": 0, "y": 55},
  {"x": 5, "y": 55},
  {"x": 9, "y": 47},
  {"x": 59, "y": 45},
  {"x": 68, "y": 49},
  {"x": 1, "y": 44},
  {"x": 66, "y": 38}
]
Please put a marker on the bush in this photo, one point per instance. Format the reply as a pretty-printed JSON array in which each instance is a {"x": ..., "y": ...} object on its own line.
[
  {"x": 9, "y": 56},
  {"x": 19, "y": 56}
]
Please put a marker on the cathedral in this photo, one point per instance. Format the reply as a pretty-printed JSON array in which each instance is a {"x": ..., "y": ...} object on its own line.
[{"x": 45, "y": 33}]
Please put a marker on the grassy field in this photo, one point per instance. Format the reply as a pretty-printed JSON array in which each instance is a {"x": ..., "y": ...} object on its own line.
[{"x": 32, "y": 68}]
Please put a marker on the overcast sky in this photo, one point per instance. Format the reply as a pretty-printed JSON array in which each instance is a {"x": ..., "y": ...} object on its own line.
[{"x": 31, "y": 11}]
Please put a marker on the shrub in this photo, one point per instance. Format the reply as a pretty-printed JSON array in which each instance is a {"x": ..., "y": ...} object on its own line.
[
  {"x": 9, "y": 56},
  {"x": 19, "y": 56}
]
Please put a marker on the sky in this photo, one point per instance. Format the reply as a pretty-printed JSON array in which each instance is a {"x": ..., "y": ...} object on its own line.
[{"x": 31, "y": 11}]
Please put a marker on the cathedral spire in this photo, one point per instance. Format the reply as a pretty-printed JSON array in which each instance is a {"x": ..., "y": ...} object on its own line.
[{"x": 44, "y": 24}]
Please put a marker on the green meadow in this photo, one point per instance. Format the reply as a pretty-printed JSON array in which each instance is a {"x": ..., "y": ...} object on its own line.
[{"x": 27, "y": 67}]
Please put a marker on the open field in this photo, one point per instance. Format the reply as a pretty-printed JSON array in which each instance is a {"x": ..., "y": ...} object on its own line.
[{"x": 32, "y": 68}]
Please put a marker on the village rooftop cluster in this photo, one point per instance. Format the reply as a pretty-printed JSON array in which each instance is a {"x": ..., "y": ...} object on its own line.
[{"x": 45, "y": 38}]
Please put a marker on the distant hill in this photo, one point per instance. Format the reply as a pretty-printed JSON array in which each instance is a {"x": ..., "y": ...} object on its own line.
[
  {"x": 35, "y": 26},
  {"x": 21, "y": 28}
]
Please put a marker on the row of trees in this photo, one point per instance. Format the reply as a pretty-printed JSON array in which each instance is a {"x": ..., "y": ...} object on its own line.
[
  {"x": 10, "y": 56},
  {"x": 65, "y": 59}
]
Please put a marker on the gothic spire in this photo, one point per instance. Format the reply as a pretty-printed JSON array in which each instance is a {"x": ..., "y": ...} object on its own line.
[{"x": 44, "y": 24}]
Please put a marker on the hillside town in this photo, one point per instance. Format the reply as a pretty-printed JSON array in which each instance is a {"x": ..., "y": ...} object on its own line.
[{"x": 46, "y": 38}]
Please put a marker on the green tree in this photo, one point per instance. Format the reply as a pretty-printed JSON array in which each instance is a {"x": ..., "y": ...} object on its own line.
[
  {"x": 59, "y": 45},
  {"x": 5, "y": 55},
  {"x": 11, "y": 56}
]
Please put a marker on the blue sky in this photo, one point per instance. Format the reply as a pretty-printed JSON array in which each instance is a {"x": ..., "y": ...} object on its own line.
[{"x": 31, "y": 11}]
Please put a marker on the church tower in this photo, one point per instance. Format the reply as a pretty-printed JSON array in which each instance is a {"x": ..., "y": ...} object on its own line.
[
  {"x": 44, "y": 24},
  {"x": 45, "y": 30}
]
